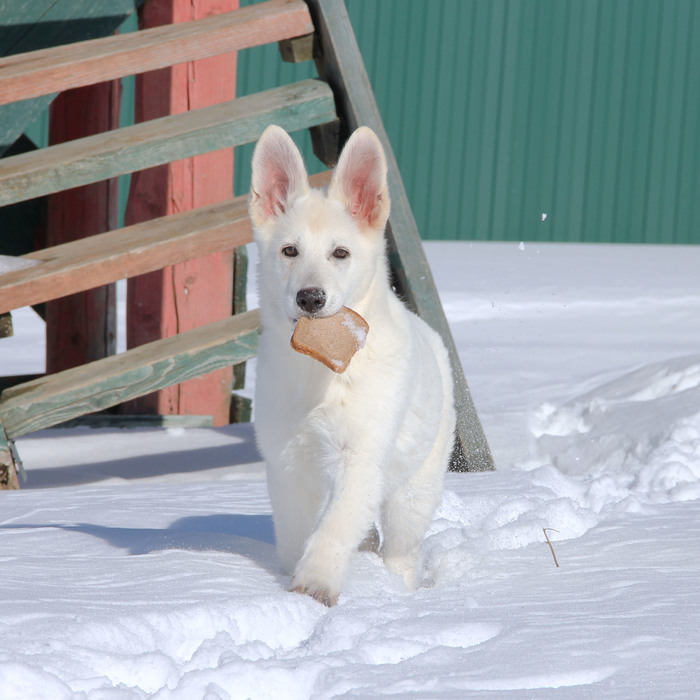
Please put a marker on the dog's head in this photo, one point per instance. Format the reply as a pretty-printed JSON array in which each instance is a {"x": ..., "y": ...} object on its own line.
[{"x": 319, "y": 250}]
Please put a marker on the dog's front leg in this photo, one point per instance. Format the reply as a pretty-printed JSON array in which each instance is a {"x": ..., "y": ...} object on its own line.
[{"x": 349, "y": 513}]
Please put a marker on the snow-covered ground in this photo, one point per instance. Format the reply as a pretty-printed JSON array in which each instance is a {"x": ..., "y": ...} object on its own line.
[{"x": 139, "y": 564}]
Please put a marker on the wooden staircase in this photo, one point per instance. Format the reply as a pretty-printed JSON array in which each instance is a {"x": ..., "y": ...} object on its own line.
[{"x": 332, "y": 107}]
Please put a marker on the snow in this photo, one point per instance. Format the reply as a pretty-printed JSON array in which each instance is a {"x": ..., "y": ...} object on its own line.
[
  {"x": 9, "y": 263},
  {"x": 141, "y": 564},
  {"x": 358, "y": 332}
]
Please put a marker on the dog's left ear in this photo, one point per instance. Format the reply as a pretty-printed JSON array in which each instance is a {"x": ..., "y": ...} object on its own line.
[{"x": 359, "y": 181}]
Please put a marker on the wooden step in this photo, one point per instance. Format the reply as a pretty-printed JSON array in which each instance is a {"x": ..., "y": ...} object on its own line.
[
  {"x": 130, "y": 251},
  {"x": 56, "y": 398},
  {"x": 113, "y": 153},
  {"x": 48, "y": 71},
  {"x": 107, "y": 257}
]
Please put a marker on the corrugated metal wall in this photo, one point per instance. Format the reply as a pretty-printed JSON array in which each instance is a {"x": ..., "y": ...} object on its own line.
[{"x": 567, "y": 120}]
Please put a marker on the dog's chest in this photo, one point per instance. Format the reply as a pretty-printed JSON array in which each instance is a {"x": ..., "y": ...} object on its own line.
[{"x": 297, "y": 395}]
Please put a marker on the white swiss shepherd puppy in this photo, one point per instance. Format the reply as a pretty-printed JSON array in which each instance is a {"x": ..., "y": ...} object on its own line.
[{"x": 344, "y": 452}]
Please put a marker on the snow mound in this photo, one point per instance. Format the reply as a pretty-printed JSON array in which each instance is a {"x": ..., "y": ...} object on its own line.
[
  {"x": 141, "y": 564},
  {"x": 638, "y": 434},
  {"x": 621, "y": 449}
]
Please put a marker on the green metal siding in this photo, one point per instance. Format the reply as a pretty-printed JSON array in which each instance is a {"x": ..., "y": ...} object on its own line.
[{"x": 566, "y": 120}]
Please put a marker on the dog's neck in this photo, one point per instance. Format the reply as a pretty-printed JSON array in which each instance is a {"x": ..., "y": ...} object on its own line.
[{"x": 375, "y": 301}]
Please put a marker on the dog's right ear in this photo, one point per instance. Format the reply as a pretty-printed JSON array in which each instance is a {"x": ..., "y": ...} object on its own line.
[{"x": 278, "y": 177}]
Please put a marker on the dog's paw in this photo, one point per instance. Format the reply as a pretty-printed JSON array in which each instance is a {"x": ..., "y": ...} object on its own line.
[
  {"x": 319, "y": 593},
  {"x": 321, "y": 570},
  {"x": 404, "y": 566}
]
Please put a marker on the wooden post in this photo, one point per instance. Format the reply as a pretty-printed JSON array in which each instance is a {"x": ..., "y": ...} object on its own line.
[
  {"x": 9, "y": 478},
  {"x": 179, "y": 298},
  {"x": 6, "y": 328},
  {"x": 81, "y": 328}
]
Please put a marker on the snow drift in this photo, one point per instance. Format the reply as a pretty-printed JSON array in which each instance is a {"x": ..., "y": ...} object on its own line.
[{"x": 141, "y": 564}]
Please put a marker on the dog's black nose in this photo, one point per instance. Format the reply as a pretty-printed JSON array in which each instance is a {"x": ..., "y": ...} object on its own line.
[{"x": 311, "y": 299}]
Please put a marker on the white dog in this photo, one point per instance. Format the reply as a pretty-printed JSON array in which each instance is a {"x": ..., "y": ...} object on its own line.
[{"x": 345, "y": 452}]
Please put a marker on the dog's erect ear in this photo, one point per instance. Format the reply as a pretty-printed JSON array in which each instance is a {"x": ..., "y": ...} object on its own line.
[
  {"x": 279, "y": 175},
  {"x": 359, "y": 180}
]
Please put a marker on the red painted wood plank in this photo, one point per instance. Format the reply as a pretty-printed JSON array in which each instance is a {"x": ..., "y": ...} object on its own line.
[
  {"x": 81, "y": 328},
  {"x": 197, "y": 292},
  {"x": 44, "y": 72}
]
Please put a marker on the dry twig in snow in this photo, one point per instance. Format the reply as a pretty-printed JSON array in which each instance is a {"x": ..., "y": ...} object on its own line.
[{"x": 546, "y": 536}]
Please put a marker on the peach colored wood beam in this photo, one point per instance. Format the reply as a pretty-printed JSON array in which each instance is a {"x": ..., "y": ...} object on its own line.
[
  {"x": 47, "y": 71},
  {"x": 133, "y": 250}
]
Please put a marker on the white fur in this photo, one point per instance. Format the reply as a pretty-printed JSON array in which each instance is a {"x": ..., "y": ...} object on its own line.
[{"x": 344, "y": 451}]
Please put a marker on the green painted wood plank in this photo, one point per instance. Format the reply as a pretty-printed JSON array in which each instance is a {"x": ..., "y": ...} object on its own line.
[
  {"x": 163, "y": 140},
  {"x": 23, "y": 223},
  {"x": 343, "y": 67},
  {"x": 92, "y": 387}
]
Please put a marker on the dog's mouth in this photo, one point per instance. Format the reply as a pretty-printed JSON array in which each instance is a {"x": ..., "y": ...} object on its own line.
[
  {"x": 306, "y": 314},
  {"x": 322, "y": 313}
]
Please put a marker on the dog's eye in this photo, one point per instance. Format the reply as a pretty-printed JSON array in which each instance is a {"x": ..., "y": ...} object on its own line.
[
  {"x": 341, "y": 253},
  {"x": 290, "y": 251}
]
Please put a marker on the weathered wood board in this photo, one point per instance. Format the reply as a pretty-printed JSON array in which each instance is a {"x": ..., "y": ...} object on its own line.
[
  {"x": 129, "y": 251},
  {"x": 9, "y": 478},
  {"x": 6, "y": 328},
  {"x": 87, "y": 62},
  {"x": 297, "y": 106},
  {"x": 55, "y": 399}
]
